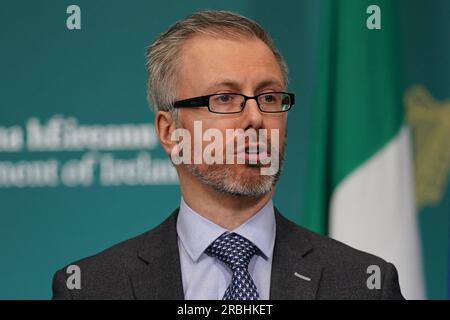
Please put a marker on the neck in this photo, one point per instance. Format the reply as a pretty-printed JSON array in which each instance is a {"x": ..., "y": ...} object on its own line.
[{"x": 225, "y": 210}]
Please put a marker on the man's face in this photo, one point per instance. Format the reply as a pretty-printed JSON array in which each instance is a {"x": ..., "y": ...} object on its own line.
[{"x": 246, "y": 66}]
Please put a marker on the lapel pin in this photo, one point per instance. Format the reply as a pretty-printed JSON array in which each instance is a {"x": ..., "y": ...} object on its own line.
[{"x": 302, "y": 276}]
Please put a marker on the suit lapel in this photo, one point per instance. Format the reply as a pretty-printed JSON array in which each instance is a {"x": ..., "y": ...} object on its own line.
[
  {"x": 294, "y": 276},
  {"x": 159, "y": 276}
]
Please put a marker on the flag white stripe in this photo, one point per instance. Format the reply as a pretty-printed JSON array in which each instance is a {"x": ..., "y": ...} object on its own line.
[{"x": 373, "y": 210}]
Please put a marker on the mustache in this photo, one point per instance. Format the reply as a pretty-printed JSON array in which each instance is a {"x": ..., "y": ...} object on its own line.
[{"x": 252, "y": 142}]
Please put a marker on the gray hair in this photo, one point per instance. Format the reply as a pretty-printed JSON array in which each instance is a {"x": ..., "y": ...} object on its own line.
[{"x": 162, "y": 57}]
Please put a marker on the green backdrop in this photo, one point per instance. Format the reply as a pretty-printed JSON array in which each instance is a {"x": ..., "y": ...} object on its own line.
[{"x": 97, "y": 76}]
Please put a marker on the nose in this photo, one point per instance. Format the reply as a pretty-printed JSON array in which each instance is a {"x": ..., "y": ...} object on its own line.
[{"x": 251, "y": 115}]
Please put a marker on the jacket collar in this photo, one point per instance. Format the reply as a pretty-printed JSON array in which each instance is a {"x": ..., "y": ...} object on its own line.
[
  {"x": 294, "y": 276},
  {"x": 160, "y": 278}
]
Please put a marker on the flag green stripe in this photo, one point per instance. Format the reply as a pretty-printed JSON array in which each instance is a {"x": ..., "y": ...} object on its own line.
[{"x": 358, "y": 105}]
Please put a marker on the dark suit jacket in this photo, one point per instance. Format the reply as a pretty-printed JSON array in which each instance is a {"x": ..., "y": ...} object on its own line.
[{"x": 148, "y": 267}]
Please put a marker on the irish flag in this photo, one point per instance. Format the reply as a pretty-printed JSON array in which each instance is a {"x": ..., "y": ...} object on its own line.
[{"x": 360, "y": 183}]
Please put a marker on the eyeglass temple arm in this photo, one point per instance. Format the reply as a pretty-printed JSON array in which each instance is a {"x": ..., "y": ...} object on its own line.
[{"x": 194, "y": 102}]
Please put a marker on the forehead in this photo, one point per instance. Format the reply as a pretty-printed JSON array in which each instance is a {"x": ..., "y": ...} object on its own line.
[{"x": 204, "y": 60}]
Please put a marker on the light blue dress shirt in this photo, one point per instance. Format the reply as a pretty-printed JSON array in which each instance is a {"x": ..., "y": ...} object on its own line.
[{"x": 205, "y": 277}]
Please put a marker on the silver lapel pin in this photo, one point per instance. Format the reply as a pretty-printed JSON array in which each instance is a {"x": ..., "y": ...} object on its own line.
[{"x": 302, "y": 276}]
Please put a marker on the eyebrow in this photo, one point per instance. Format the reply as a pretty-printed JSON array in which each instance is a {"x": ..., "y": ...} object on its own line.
[
  {"x": 236, "y": 85},
  {"x": 269, "y": 82}
]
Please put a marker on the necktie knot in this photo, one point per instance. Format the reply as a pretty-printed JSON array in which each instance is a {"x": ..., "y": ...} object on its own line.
[{"x": 233, "y": 250}]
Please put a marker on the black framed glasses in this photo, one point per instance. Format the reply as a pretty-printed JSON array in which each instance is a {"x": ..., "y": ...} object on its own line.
[{"x": 226, "y": 103}]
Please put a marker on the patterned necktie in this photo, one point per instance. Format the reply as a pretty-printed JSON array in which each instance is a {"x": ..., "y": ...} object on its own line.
[{"x": 236, "y": 252}]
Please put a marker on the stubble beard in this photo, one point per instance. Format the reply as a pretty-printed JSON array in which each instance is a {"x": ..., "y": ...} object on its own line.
[{"x": 225, "y": 178}]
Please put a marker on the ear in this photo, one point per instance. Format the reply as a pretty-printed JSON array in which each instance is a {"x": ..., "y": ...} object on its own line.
[{"x": 165, "y": 125}]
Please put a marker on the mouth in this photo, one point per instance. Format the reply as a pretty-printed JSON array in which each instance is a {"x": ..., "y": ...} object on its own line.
[{"x": 253, "y": 154}]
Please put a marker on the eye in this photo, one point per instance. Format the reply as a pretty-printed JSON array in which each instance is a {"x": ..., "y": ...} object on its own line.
[
  {"x": 270, "y": 98},
  {"x": 223, "y": 98}
]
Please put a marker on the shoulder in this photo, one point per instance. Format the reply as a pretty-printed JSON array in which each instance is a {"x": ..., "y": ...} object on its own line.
[
  {"x": 110, "y": 269},
  {"x": 118, "y": 254},
  {"x": 325, "y": 248},
  {"x": 346, "y": 271}
]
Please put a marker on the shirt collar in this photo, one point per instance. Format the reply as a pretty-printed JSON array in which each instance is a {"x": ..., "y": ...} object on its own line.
[{"x": 197, "y": 233}]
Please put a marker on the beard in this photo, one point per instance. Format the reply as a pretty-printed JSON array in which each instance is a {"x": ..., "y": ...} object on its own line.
[{"x": 241, "y": 180}]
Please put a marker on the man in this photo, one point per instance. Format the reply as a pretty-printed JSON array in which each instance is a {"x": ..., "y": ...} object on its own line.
[{"x": 218, "y": 70}]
